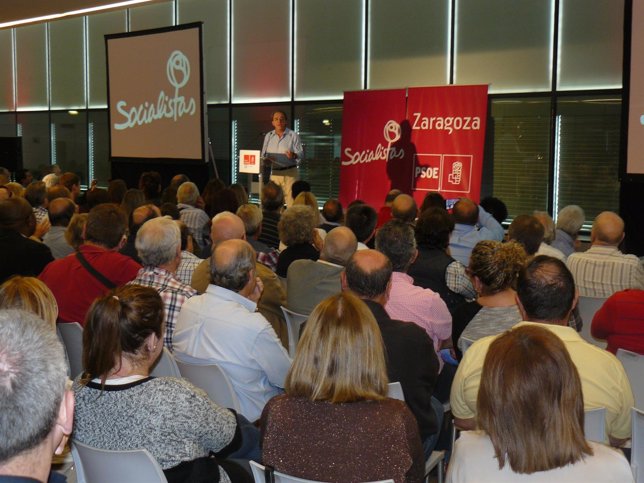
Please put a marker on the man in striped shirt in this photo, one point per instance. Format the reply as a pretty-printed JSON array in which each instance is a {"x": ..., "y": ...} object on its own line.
[{"x": 604, "y": 269}]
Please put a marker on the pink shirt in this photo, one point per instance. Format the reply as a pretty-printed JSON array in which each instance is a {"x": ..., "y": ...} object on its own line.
[{"x": 421, "y": 306}]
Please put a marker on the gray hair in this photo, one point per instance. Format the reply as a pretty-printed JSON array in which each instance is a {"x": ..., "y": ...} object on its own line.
[
  {"x": 570, "y": 219},
  {"x": 187, "y": 193},
  {"x": 396, "y": 240},
  {"x": 158, "y": 241},
  {"x": 339, "y": 245},
  {"x": 33, "y": 373},
  {"x": 252, "y": 217},
  {"x": 231, "y": 264}
]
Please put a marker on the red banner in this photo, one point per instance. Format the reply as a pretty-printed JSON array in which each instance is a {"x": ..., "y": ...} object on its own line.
[
  {"x": 370, "y": 130},
  {"x": 437, "y": 146}
]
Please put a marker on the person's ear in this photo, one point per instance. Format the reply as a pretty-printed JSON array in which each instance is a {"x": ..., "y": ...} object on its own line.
[
  {"x": 64, "y": 422},
  {"x": 343, "y": 280}
]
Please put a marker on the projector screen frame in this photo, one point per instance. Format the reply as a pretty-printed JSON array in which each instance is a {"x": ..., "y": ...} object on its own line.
[
  {"x": 201, "y": 102},
  {"x": 623, "y": 174}
]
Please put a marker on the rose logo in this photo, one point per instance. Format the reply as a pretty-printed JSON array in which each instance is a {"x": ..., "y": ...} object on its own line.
[
  {"x": 392, "y": 131},
  {"x": 178, "y": 69}
]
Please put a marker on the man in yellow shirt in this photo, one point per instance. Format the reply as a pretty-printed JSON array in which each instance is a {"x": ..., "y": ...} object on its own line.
[{"x": 546, "y": 295}]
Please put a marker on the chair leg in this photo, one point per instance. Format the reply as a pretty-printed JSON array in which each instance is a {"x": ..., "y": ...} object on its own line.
[{"x": 441, "y": 471}]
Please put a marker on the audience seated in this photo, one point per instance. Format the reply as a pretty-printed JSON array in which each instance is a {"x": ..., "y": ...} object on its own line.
[
  {"x": 36, "y": 195},
  {"x": 228, "y": 226},
  {"x": 472, "y": 224},
  {"x": 410, "y": 356},
  {"x": 528, "y": 231},
  {"x": 74, "y": 233},
  {"x": 433, "y": 199},
  {"x": 384, "y": 214},
  {"x": 494, "y": 268},
  {"x": 72, "y": 182},
  {"x": 31, "y": 295},
  {"x": 309, "y": 282},
  {"x": 252, "y": 217},
  {"x": 272, "y": 204},
  {"x": 404, "y": 208},
  {"x": 223, "y": 327},
  {"x": 495, "y": 207},
  {"x": 120, "y": 407},
  {"x": 546, "y": 296},
  {"x": 548, "y": 236},
  {"x": 297, "y": 229},
  {"x": 158, "y": 244},
  {"x": 20, "y": 254},
  {"x": 335, "y": 422},
  {"x": 132, "y": 199},
  {"x": 150, "y": 184},
  {"x": 209, "y": 194},
  {"x": 300, "y": 186},
  {"x": 195, "y": 218},
  {"x": 189, "y": 261},
  {"x": 137, "y": 218},
  {"x": 620, "y": 321},
  {"x": 531, "y": 413},
  {"x": 116, "y": 191},
  {"x": 37, "y": 409},
  {"x": 96, "y": 267},
  {"x": 434, "y": 268},
  {"x": 361, "y": 219},
  {"x": 603, "y": 269},
  {"x": 332, "y": 214},
  {"x": 61, "y": 211},
  {"x": 569, "y": 221}
]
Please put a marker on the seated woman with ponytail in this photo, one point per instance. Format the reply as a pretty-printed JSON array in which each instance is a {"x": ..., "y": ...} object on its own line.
[{"x": 120, "y": 407}]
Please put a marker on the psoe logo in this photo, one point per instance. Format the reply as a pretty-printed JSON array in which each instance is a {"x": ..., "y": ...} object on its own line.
[
  {"x": 166, "y": 107},
  {"x": 391, "y": 132}
]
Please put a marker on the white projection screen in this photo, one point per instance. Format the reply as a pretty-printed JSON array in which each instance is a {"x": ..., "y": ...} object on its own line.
[
  {"x": 635, "y": 150},
  {"x": 155, "y": 94}
]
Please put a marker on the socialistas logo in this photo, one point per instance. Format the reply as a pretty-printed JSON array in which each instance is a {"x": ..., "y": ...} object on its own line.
[
  {"x": 391, "y": 133},
  {"x": 165, "y": 107}
]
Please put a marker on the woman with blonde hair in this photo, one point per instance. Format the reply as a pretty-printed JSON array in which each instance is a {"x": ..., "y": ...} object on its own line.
[
  {"x": 335, "y": 422},
  {"x": 74, "y": 231},
  {"x": 530, "y": 411},
  {"x": 494, "y": 268},
  {"x": 31, "y": 295}
]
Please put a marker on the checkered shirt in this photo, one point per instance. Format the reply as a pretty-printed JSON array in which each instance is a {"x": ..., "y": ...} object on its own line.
[
  {"x": 189, "y": 262},
  {"x": 173, "y": 293}
]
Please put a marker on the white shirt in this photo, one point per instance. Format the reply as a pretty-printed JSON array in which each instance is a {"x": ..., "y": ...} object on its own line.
[
  {"x": 222, "y": 327},
  {"x": 474, "y": 461},
  {"x": 545, "y": 249},
  {"x": 603, "y": 270}
]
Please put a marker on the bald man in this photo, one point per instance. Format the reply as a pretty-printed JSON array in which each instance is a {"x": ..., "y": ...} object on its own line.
[
  {"x": 228, "y": 226},
  {"x": 308, "y": 282},
  {"x": 222, "y": 326},
  {"x": 61, "y": 211},
  {"x": 603, "y": 269},
  {"x": 404, "y": 208},
  {"x": 472, "y": 224},
  {"x": 410, "y": 355},
  {"x": 20, "y": 254}
]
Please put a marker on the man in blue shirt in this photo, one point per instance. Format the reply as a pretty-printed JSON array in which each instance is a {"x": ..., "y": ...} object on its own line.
[
  {"x": 472, "y": 224},
  {"x": 281, "y": 140}
]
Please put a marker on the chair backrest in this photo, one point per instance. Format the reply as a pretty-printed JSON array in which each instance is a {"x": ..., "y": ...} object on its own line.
[
  {"x": 587, "y": 308},
  {"x": 212, "y": 379},
  {"x": 395, "y": 391},
  {"x": 104, "y": 466},
  {"x": 294, "y": 322},
  {"x": 165, "y": 366},
  {"x": 258, "y": 475},
  {"x": 595, "y": 425},
  {"x": 637, "y": 445},
  {"x": 72, "y": 335},
  {"x": 634, "y": 366}
]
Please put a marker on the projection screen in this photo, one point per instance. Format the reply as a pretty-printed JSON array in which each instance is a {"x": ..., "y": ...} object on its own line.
[
  {"x": 155, "y": 94},
  {"x": 635, "y": 150}
]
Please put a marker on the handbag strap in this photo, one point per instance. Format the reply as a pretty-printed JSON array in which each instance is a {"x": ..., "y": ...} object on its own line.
[{"x": 95, "y": 273}]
